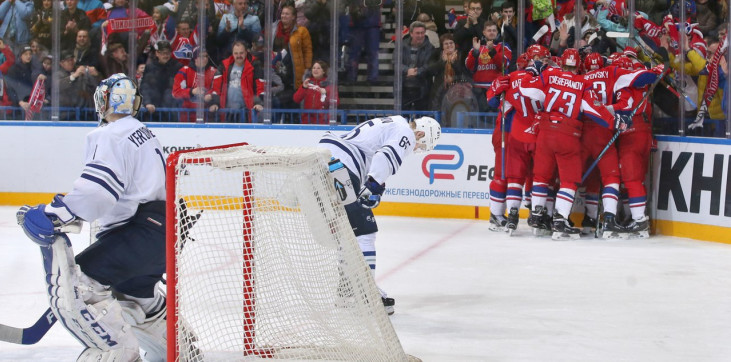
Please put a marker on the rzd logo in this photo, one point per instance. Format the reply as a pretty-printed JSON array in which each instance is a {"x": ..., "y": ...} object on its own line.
[{"x": 444, "y": 160}]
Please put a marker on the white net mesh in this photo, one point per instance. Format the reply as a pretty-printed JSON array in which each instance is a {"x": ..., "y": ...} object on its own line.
[{"x": 267, "y": 265}]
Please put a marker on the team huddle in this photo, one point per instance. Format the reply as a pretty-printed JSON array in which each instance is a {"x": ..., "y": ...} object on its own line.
[{"x": 558, "y": 119}]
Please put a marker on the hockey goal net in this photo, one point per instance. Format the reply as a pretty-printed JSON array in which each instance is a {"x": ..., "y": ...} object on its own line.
[{"x": 262, "y": 262}]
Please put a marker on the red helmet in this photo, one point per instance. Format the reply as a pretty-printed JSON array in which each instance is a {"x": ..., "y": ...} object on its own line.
[
  {"x": 557, "y": 60},
  {"x": 522, "y": 61},
  {"x": 593, "y": 61},
  {"x": 570, "y": 58},
  {"x": 612, "y": 57},
  {"x": 630, "y": 52},
  {"x": 623, "y": 62},
  {"x": 537, "y": 50},
  {"x": 638, "y": 66}
]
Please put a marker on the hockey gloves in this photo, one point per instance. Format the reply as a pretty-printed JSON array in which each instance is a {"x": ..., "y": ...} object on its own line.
[
  {"x": 622, "y": 122},
  {"x": 41, "y": 222},
  {"x": 370, "y": 195}
]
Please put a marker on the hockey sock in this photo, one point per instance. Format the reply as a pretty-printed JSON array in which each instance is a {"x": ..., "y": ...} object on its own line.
[
  {"x": 564, "y": 201},
  {"x": 514, "y": 195},
  {"x": 637, "y": 199},
  {"x": 498, "y": 189},
  {"x": 527, "y": 192},
  {"x": 625, "y": 203},
  {"x": 367, "y": 245},
  {"x": 539, "y": 193},
  {"x": 550, "y": 201},
  {"x": 591, "y": 204},
  {"x": 610, "y": 196}
]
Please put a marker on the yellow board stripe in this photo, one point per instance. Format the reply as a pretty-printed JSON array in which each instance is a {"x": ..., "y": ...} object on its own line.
[{"x": 665, "y": 227}]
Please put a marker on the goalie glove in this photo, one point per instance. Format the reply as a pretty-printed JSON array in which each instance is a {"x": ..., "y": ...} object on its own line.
[
  {"x": 622, "y": 122},
  {"x": 369, "y": 196},
  {"x": 40, "y": 223}
]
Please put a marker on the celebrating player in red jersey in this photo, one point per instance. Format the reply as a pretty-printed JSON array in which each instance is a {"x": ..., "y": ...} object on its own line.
[{"x": 565, "y": 96}]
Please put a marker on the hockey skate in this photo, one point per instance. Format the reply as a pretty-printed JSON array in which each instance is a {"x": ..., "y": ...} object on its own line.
[
  {"x": 611, "y": 229},
  {"x": 588, "y": 225},
  {"x": 562, "y": 229},
  {"x": 388, "y": 304},
  {"x": 539, "y": 221},
  {"x": 513, "y": 218},
  {"x": 638, "y": 229},
  {"x": 497, "y": 222}
]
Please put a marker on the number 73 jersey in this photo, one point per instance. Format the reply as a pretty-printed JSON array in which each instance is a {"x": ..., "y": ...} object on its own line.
[
  {"x": 566, "y": 94},
  {"x": 375, "y": 148}
]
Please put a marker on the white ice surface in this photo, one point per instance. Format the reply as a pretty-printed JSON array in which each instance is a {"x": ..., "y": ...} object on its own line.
[{"x": 464, "y": 293}]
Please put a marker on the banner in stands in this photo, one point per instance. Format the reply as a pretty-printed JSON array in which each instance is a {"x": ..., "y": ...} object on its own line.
[{"x": 691, "y": 180}]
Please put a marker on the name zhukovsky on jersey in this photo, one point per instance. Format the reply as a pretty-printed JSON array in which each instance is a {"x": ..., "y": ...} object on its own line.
[
  {"x": 599, "y": 74},
  {"x": 565, "y": 82},
  {"x": 140, "y": 136}
]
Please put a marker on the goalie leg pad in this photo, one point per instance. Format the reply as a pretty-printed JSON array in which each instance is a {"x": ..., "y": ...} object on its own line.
[
  {"x": 148, "y": 318},
  {"x": 86, "y": 308}
]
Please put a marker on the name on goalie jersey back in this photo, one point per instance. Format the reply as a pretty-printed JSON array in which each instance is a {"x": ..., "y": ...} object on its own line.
[
  {"x": 140, "y": 136},
  {"x": 565, "y": 82}
]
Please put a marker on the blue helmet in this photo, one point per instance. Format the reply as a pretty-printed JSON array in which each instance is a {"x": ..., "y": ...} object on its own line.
[{"x": 117, "y": 94}]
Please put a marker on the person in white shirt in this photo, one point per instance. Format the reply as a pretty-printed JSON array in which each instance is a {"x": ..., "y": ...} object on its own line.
[
  {"x": 110, "y": 289},
  {"x": 371, "y": 152}
]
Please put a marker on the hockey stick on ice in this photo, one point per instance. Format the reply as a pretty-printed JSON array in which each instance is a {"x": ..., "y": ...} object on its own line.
[
  {"x": 30, "y": 335},
  {"x": 632, "y": 114}
]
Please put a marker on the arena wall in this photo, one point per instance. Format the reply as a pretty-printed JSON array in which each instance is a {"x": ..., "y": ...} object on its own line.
[{"x": 691, "y": 176}]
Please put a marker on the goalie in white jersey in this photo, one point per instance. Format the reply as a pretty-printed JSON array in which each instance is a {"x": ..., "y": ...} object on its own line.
[
  {"x": 107, "y": 296},
  {"x": 373, "y": 151}
]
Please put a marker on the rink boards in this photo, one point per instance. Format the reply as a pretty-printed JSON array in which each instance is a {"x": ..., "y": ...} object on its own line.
[{"x": 691, "y": 190}]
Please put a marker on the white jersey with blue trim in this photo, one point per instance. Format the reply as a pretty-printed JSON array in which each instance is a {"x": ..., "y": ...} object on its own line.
[
  {"x": 124, "y": 167},
  {"x": 374, "y": 148}
]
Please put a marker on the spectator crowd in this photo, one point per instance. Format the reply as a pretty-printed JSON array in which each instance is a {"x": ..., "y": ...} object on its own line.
[{"x": 450, "y": 53}]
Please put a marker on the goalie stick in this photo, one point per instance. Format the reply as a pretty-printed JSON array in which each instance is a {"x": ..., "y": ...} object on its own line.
[{"x": 30, "y": 335}]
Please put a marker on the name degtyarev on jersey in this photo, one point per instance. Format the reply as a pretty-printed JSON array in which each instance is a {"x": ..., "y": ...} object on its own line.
[
  {"x": 124, "y": 167},
  {"x": 374, "y": 148}
]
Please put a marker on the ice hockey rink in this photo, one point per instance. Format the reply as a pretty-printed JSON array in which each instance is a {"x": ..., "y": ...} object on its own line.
[{"x": 464, "y": 293}]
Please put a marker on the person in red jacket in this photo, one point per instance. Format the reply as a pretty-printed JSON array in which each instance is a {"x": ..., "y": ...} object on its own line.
[
  {"x": 487, "y": 60},
  {"x": 188, "y": 87},
  {"x": 316, "y": 92},
  {"x": 234, "y": 85}
]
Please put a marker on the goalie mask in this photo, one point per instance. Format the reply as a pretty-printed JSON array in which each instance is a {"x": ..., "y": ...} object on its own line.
[
  {"x": 116, "y": 94},
  {"x": 432, "y": 132}
]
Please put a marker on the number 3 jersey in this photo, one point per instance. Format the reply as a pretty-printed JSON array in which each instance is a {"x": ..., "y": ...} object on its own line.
[
  {"x": 374, "y": 148},
  {"x": 124, "y": 167}
]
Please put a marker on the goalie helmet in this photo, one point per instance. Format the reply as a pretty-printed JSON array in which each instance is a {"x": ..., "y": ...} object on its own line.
[
  {"x": 116, "y": 94},
  {"x": 432, "y": 132}
]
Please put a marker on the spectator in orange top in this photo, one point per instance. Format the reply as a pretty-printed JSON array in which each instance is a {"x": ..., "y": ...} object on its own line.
[{"x": 316, "y": 92}]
